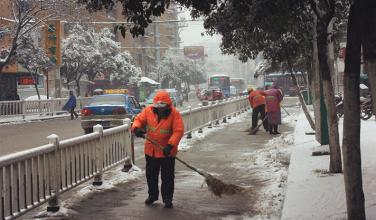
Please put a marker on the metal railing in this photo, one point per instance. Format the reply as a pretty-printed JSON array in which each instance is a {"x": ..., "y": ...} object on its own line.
[
  {"x": 33, "y": 107},
  {"x": 33, "y": 177},
  {"x": 197, "y": 118}
]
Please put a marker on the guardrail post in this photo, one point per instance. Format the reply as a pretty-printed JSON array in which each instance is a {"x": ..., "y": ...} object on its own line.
[
  {"x": 40, "y": 108},
  {"x": 200, "y": 129},
  {"x": 209, "y": 117},
  {"x": 128, "y": 161},
  {"x": 98, "y": 156},
  {"x": 23, "y": 109},
  {"x": 224, "y": 120},
  {"x": 189, "y": 135},
  {"x": 53, "y": 106},
  {"x": 55, "y": 175}
]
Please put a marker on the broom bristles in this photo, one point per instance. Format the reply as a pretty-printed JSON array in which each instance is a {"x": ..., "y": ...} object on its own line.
[{"x": 218, "y": 187}]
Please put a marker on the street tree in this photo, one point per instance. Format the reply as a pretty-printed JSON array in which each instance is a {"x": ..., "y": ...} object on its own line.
[
  {"x": 78, "y": 50},
  {"x": 369, "y": 50},
  {"x": 327, "y": 13},
  {"x": 124, "y": 69},
  {"x": 88, "y": 53},
  {"x": 33, "y": 58},
  {"x": 361, "y": 37},
  {"x": 175, "y": 69},
  {"x": 27, "y": 16}
]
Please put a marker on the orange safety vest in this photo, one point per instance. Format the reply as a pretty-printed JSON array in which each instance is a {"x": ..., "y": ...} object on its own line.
[
  {"x": 168, "y": 130},
  {"x": 256, "y": 98}
]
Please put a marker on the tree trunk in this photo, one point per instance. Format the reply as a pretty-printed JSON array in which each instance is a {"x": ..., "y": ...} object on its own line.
[
  {"x": 369, "y": 50},
  {"x": 335, "y": 165},
  {"x": 370, "y": 69},
  {"x": 8, "y": 87},
  {"x": 35, "y": 78},
  {"x": 304, "y": 106},
  {"x": 78, "y": 87},
  {"x": 316, "y": 83},
  {"x": 351, "y": 126},
  {"x": 310, "y": 77}
]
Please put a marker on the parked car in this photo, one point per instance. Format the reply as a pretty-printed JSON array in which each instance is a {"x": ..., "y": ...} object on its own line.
[
  {"x": 109, "y": 111},
  {"x": 177, "y": 100}
]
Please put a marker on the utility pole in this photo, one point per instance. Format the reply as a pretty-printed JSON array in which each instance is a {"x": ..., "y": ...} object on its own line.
[
  {"x": 143, "y": 55},
  {"x": 157, "y": 44}
]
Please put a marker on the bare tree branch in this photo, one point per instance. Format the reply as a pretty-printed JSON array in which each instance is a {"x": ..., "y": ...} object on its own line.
[
  {"x": 35, "y": 24},
  {"x": 314, "y": 5}
]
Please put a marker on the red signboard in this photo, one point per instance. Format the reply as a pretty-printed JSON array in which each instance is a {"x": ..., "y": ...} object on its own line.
[{"x": 26, "y": 80}]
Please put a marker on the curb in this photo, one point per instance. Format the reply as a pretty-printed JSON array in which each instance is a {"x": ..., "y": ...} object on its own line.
[{"x": 33, "y": 119}]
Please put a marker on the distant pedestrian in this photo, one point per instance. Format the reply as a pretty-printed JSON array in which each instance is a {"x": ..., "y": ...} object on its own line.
[
  {"x": 257, "y": 101},
  {"x": 71, "y": 105},
  {"x": 163, "y": 124},
  {"x": 273, "y": 98}
]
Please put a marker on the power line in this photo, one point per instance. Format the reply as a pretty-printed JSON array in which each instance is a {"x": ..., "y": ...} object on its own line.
[
  {"x": 172, "y": 48},
  {"x": 128, "y": 23}
]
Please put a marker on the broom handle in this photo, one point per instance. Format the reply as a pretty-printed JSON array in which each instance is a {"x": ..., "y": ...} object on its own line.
[
  {"x": 180, "y": 160},
  {"x": 258, "y": 126},
  {"x": 285, "y": 110}
]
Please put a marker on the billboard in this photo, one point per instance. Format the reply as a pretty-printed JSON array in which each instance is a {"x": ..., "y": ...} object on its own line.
[
  {"x": 52, "y": 41},
  {"x": 194, "y": 52}
]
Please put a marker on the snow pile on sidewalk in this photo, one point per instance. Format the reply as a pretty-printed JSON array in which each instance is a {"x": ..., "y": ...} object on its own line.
[
  {"x": 112, "y": 178},
  {"x": 271, "y": 165},
  {"x": 185, "y": 143},
  {"x": 312, "y": 192}
]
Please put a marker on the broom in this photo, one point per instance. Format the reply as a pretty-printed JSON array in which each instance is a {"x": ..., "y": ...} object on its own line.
[
  {"x": 253, "y": 131},
  {"x": 216, "y": 186}
]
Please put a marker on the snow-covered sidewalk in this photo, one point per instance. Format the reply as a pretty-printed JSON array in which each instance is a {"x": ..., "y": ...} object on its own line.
[{"x": 311, "y": 192}]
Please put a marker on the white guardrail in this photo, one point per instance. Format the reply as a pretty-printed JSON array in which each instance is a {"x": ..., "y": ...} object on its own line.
[
  {"x": 32, "y": 177},
  {"x": 33, "y": 107}
]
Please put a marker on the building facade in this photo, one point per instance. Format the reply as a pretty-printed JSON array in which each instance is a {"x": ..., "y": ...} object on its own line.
[{"x": 146, "y": 50}]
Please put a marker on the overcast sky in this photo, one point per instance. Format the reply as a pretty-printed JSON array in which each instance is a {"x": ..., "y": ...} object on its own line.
[{"x": 191, "y": 35}]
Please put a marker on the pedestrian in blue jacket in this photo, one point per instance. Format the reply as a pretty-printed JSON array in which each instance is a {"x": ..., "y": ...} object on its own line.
[{"x": 71, "y": 105}]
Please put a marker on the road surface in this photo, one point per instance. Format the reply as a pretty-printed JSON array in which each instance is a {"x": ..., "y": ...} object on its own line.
[{"x": 22, "y": 136}]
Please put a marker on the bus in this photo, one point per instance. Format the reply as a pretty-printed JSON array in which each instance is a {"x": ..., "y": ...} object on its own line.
[
  {"x": 284, "y": 82},
  {"x": 220, "y": 81},
  {"x": 239, "y": 84}
]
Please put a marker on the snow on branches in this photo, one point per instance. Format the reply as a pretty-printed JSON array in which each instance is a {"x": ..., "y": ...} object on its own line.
[
  {"x": 32, "y": 57},
  {"x": 176, "y": 69},
  {"x": 88, "y": 53}
]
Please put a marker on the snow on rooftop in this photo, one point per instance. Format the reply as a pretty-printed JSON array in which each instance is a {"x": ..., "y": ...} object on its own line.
[{"x": 148, "y": 80}]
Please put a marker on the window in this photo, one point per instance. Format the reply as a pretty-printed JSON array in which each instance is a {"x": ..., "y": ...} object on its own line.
[{"x": 134, "y": 102}]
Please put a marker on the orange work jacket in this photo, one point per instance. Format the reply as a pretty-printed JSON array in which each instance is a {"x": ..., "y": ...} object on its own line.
[
  {"x": 256, "y": 98},
  {"x": 168, "y": 130}
]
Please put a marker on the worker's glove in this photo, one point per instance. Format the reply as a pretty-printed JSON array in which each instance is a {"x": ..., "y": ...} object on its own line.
[
  {"x": 139, "y": 132},
  {"x": 167, "y": 150}
]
